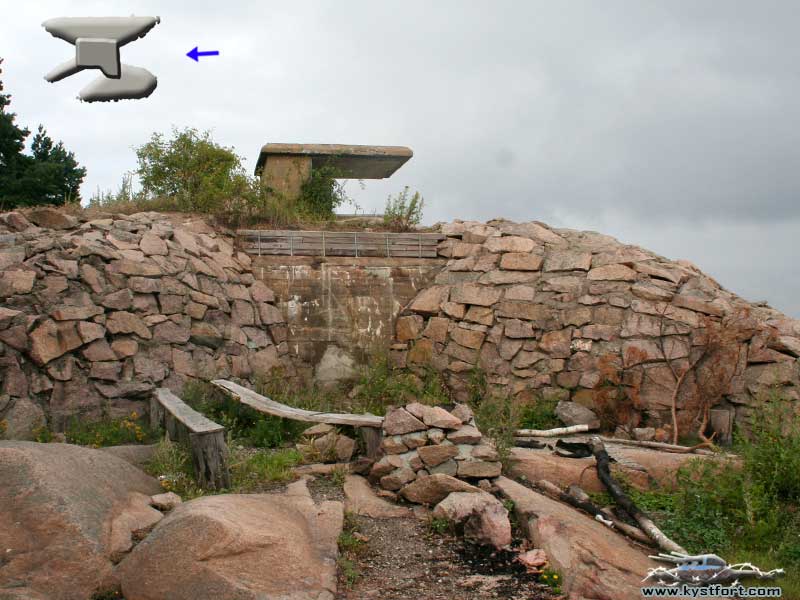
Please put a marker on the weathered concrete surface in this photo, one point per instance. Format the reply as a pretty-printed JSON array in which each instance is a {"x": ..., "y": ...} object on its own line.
[{"x": 342, "y": 306}]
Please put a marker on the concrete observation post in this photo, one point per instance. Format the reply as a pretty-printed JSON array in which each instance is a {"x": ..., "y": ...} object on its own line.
[{"x": 286, "y": 167}]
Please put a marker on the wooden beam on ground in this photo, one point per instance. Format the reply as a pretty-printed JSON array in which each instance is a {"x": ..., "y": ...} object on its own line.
[
  {"x": 270, "y": 407},
  {"x": 551, "y": 432},
  {"x": 205, "y": 438}
]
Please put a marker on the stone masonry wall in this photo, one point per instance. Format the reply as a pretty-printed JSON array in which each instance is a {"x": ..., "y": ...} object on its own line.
[
  {"x": 96, "y": 313},
  {"x": 340, "y": 310},
  {"x": 544, "y": 312}
]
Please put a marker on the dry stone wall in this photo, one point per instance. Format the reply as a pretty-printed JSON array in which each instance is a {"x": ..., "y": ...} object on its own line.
[
  {"x": 428, "y": 450},
  {"x": 550, "y": 313},
  {"x": 96, "y": 313}
]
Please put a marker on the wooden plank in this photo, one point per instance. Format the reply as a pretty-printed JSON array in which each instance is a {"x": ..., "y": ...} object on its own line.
[
  {"x": 270, "y": 407},
  {"x": 194, "y": 421},
  {"x": 210, "y": 459}
]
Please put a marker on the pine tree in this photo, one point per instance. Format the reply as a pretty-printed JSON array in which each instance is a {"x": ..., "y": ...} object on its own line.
[{"x": 50, "y": 175}]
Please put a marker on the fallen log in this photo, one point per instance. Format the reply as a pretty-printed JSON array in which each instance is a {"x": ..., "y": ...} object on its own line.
[
  {"x": 674, "y": 448},
  {"x": 551, "y": 432},
  {"x": 577, "y": 498},
  {"x": 528, "y": 443},
  {"x": 623, "y": 500}
]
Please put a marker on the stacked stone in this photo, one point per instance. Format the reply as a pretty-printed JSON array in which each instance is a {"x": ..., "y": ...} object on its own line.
[
  {"x": 421, "y": 440},
  {"x": 544, "y": 312},
  {"x": 96, "y": 313}
]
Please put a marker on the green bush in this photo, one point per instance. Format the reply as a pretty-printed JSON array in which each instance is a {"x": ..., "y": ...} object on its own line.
[
  {"x": 243, "y": 423},
  {"x": 322, "y": 194},
  {"x": 110, "y": 432},
  {"x": 403, "y": 213},
  {"x": 190, "y": 168},
  {"x": 539, "y": 415}
]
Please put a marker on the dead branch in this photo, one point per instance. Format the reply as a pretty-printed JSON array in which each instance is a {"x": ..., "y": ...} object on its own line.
[
  {"x": 551, "y": 432},
  {"x": 528, "y": 443},
  {"x": 624, "y": 501},
  {"x": 577, "y": 498},
  {"x": 674, "y": 448}
]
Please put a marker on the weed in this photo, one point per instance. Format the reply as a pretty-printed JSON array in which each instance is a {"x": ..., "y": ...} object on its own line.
[
  {"x": 108, "y": 432},
  {"x": 338, "y": 475},
  {"x": 349, "y": 571},
  {"x": 351, "y": 543},
  {"x": 251, "y": 470},
  {"x": 403, "y": 213},
  {"x": 551, "y": 579},
  {"x": 172, "y": 466},
  {"x": 42, "y": 434},
  {"x": 439, "y": 525},
  {"x": 539, "y": 415},
  {"x": 496, "y": 417}
]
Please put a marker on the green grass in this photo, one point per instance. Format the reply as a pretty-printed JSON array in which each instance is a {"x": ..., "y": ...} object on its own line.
[
  {"x": 107, "y": 432},
  {"x": 351, "y": 545},
  {"x": 250, "y": 471}
]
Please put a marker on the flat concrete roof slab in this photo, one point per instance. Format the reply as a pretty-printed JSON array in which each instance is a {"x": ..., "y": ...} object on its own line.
[{"x": 352, "y": 161}]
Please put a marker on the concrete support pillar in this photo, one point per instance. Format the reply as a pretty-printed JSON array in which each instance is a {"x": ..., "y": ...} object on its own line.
[{"x": 286, "y": 174}]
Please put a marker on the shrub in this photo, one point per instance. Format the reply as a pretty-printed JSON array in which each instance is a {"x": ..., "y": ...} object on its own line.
[
  {"x": 403, "y": 213},
  {"x": 539, "y": 415},
  {"x": 243, "y": 423},
  {"x": 110, "y": 432},
  {"x": 322, "y": 194},
  {"x": 190, "y": 168}
]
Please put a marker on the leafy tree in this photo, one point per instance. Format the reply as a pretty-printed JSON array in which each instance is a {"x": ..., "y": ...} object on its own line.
[
  {"x": 50, "y": 175},
  {"x": 189, "y": 168}
]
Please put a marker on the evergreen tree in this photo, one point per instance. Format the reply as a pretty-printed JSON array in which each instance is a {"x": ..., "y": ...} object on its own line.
[{"x": 50, "y": 175}]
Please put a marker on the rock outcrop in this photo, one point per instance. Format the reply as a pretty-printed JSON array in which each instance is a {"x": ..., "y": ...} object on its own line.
[
  {"x": 66, "y": 515},
  {"x": 239, "y": 546},
  {"x": 595, "y": 562},
  {"x": 575, "y": 315},
  {"x": 96, "y": 313}
]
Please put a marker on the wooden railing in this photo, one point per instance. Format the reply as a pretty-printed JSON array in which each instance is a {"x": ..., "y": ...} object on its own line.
[{"x": 339, "y": 243}]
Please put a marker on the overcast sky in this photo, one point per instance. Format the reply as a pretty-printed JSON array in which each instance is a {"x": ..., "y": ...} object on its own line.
[{"x": 672, "y": 125}]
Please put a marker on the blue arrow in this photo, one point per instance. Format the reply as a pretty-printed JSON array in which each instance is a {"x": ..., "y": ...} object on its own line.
[{"x": 194, "y": 53}]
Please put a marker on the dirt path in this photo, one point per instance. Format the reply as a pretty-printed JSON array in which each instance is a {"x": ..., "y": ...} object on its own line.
[{"x": 402, "y": 560}]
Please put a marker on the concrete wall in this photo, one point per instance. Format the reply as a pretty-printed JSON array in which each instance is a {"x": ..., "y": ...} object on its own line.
[{"x": 341, "y": 310}]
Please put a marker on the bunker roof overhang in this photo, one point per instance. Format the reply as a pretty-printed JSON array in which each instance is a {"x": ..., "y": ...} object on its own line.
[{"x": 349, "y": 161}]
